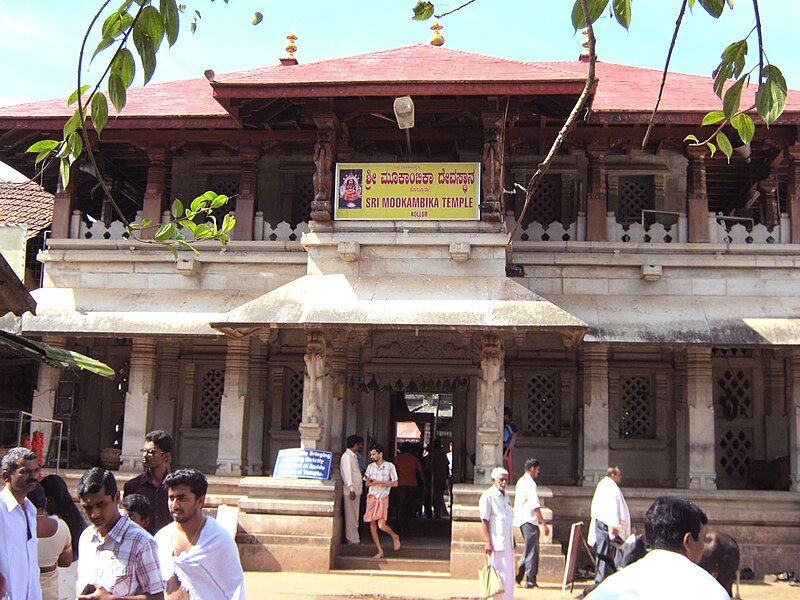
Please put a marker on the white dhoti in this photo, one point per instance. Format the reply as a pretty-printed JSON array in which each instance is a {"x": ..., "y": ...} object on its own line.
[{"x": 506, "y": 564}]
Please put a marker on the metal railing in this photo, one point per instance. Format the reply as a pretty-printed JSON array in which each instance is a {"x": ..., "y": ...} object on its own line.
[{"x": 22, "y": 418}]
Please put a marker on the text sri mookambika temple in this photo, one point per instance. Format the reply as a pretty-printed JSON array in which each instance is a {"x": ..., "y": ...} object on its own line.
[{"x": 646, "y": 314}]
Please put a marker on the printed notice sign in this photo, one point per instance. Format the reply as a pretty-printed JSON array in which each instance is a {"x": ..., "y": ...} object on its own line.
[
  {"x": 407, "y": 191},
  {"x": 302, "y": 463}
]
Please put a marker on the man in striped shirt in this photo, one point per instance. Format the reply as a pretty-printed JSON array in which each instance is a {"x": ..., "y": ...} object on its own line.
[{"x": 118, "y": 559}]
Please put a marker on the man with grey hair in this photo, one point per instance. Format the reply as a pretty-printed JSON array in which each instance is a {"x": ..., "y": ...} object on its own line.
[
  {"x": 19, "y": 563},
  {"x": 497, "y": 522}
]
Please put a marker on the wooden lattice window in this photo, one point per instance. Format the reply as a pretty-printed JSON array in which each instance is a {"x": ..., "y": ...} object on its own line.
[
  {"x": 637, "y": 416},
  {"x": 209, "y": 401},
  {"x": 636, "y": 193},
  {"x": 735, "y": 453},
  {"x": 224, "y": 183},
  {"x": 303, "y": 196},
  {"x": 545, "y": 207},
  {"x": 293, "y": 399},
  {"x": 542, "y": 417},
  {"x": 735, "y": 394}
]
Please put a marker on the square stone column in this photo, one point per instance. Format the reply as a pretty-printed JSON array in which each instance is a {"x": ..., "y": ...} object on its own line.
[
  {"x": 138, "y": 401},
  {"x": 793, "y": 414},
  {"x": 165, "y": 405},
  {"x": 596, "y": 201},
  {"x": 315, "y": 428},
  {"x": 246, "y": 201},
  {"x": 233, "y": 431},
  {"x": 489, "y": 413},
  {"x": 594, "y": 368},
  {"x": 700, "y": 401},
  {"x": 156, "y": 189},
  {"x": 697, "y": 195},
  {"x": 44, "y": 396},
  {"x": 255, "y": 415},
  {"x": 63, "y": 205}
]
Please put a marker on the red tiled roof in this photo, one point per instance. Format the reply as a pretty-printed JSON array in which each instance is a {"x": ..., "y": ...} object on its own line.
[{"x": 26, "y": 204}]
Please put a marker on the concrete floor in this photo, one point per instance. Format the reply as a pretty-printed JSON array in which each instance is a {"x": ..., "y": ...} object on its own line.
[{"x": 334, "y": 586}]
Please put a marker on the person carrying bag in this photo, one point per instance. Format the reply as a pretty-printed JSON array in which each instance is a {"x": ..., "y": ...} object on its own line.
[{"x": 489, "y": 579}]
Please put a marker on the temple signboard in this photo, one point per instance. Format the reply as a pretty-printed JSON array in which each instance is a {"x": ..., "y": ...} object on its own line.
[{"x": 407, "y": 191}]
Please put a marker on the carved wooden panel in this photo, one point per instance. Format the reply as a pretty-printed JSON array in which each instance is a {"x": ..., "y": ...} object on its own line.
[
  {"x": 636, "y": 193},
  {"x": 542, "y": 418},
  {"x": 637, "y": 414},
  {"x": 303, "y": 197}
]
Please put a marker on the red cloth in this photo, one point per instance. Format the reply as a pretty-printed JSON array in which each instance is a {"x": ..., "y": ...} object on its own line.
[{"x": 406, "y": 465}]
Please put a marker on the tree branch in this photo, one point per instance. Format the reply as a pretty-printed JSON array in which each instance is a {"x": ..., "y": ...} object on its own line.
[
  {"x": 568, "y": 126},
  {"x": 664, "y": 74},
  {"x": 456, "y": 9},
  {"x": 760, "y": 42}
]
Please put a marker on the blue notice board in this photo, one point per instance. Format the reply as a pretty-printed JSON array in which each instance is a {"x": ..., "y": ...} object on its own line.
[{"x": 302, "y": 463}]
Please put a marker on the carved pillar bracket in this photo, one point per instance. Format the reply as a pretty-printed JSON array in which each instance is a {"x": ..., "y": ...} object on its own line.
[
  {"x": 490, "y": 402},
  {"x": 700, "y": 402},
  {"x": 697, "y": 195},
  {"x": 246, "y": 201},
  {"x": 594, "y": 370},
  {"x": 138, "y": 401},
  {"x": 324, "y": 160},
  {"x": 492, "y": 179},
  {"x": 231, "y": 457},
  {"x": 793, "y": 414},
  {"x": 596, "y": 203},
  {"x": 155, "y": 192},
  {"x": 62, "y": 212},
  {"x": 793, "y": 190},
  {"x": 315, "y": 389}
]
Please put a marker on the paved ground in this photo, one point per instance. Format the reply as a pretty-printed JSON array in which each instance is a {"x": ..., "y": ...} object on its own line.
[{"x": 334, "y": 586}]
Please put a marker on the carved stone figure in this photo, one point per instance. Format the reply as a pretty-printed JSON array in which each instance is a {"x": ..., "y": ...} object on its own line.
[
  {"x": 324, "y": 158},
  {"x": 314, "y": 378},
  {"x": 490, "y": 383}
]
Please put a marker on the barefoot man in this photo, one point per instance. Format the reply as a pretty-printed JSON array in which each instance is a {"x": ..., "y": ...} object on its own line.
[{"x": 380, "y": 477}]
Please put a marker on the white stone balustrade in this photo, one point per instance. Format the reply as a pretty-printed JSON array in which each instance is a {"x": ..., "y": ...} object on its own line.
[
  {"x": 656, "y": 233},
  {"x": 554, "y": 232},
  {"x": 722, "y": 231}
]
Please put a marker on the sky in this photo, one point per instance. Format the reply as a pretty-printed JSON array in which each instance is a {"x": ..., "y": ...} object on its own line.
[{"x": 41, "y": 39}]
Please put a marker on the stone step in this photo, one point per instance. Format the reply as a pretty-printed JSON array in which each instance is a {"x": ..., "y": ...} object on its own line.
[
  {"x": 417, "y": 565},
  {"x": 407, "y": 550}
]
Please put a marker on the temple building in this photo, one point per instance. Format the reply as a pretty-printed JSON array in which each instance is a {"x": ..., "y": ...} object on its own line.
[{"x": 646, "y": 313}]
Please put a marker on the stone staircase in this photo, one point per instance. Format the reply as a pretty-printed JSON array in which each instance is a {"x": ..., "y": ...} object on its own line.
[{"x": 415, "y": 557}]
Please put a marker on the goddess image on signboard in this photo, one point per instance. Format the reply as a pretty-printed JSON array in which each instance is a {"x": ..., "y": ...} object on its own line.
[{"x": 350, "y": 195}]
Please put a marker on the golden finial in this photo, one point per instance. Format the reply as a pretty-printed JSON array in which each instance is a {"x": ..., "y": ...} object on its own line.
[
  {"x": 290, "y": 48},
  {"x": 436, "y": 38},
  {"x": 584, "y": 56}
]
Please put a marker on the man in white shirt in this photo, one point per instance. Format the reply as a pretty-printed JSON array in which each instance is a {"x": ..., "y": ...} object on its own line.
[
  {"x": 611, "y": 520},
  {"x": 675, "y": 532},
  {"x": 198, "y": 557},
  {"x": 18, "y": 553},
  {"x": 528, "y": 517},
  {"x": 380, "y": 477},
  {"x": 497, "y": 522},
  {"x": 351, "y": 487}
]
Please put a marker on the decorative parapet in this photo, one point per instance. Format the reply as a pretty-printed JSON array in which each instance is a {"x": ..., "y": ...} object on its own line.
[{"x": 733, "y": 230}]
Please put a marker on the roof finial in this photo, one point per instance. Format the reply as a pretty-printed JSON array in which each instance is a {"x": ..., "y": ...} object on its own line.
[
  {"x": 290, "y": 48},
  {"x": 436, "y": 38},
  {"x": 584, "y": 56}
]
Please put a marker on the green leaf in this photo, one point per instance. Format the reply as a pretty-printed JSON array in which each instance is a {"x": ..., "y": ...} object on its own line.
[
  {"x": 691, "y": 4},
  {"x": 771, "y": 95},
  {"x": 219, "y": 201},
  {"x": 63, "y": 170},
  {"x": 99, "y": 112},
  {"x": 423, "y": 11},
  {"x": 147, "y": 35},
  {"x": 188, "y": 224},
  {"x": 712, "y": 118},
  {"x": 41, "y": 156},
  {"x": 124, "y": 66},
  {"x": 731, "y": 65},
  {"x": 73, "y": 97},
  {"x": 622, "y": 12},
  {"x": 43, "y": 145},
  {"x": 104, "y": 43},
  {"x": 596, "y": 8},
  {"x": 169, "y": 12},
  {"x": 228, "y": 223},
  {"x": 146, "y": 222},
  {"x": 724, "y": 145},
  {"x": 712, "y": 148},
  {"x": 256, "y": 18},
  {"x": 164, "y": 232},
  {"x": 74, "y": 146},
  {"x": 691, "y": 138},
  {"x": 744, "y": 126},
  {"x": 117, "y": 91},
  {"x": 188, "y": 246},
  {"x": 172, "y": 250},
  {"x": 733, "y": 98},
  {"x": 713, "y": 7},
  {"x": 177, "y": 208},
  {"x": 72, "y": 124},
  {"x": 202, "y": 232}
]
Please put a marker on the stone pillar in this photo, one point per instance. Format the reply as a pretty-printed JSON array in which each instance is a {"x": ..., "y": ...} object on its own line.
[
  {"x": 492, "y": 178},
  {"x": 697, "y": 195},
  {"x": 314, "y": 429},
  {"x": 155, "y": 192},
  {"x": 596, "y": 205},
  {"x": 700, "y": 400},
  {"x": 338, "y": 384},
  {"x": 793, "y": 414},
  {"x": 324, "y": 160},
  {"x": 594, "y": 367},
  {"x": 681, "y": 422},
  {"x": 246, "y": 200},
  {"x": 231, "y": 458},
  {"x": 491, "y": 399},
  {"x": 44, "y": 396},
  {"x": 63, "y": 204},
  {"x": 255, "y": 417},
  {"x": 165, "y": 406},
  {"x": 138, "y": 399},
  {"x": 793, "y": 190}
]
